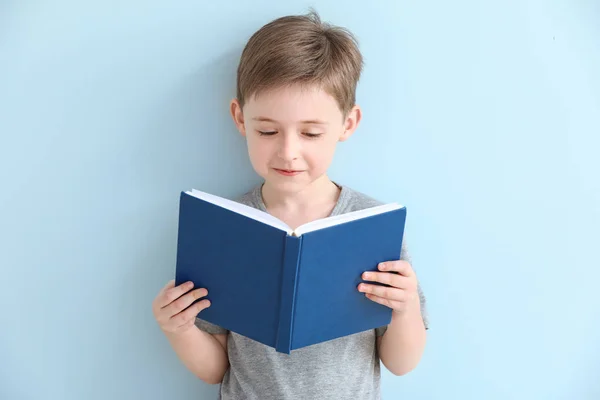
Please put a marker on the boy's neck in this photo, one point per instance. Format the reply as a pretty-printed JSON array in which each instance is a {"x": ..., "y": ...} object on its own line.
[{"x": 320, "y": 192}]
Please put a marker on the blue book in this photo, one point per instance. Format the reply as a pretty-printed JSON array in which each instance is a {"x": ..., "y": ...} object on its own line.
[{"x": 285, "y": 288}]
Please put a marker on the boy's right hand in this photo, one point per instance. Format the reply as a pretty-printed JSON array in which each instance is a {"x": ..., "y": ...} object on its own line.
[{"x": 172, "y": 308}]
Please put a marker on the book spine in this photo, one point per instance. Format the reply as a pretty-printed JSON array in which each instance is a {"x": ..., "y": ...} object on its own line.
[{"x": 289, "y": 278}]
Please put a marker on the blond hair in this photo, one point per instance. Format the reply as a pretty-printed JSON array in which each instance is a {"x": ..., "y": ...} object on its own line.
[{"x": 301, "y": 49}]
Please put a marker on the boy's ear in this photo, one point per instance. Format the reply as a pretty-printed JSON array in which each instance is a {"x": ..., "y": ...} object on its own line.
[
  {"x": 238, "y": 116},
  {"x": 351, "y": 123}
]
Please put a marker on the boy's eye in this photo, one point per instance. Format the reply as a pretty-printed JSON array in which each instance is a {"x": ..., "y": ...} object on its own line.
[
  {"x": 311, "y": 135},
  {"x": 307, "y": 134}
]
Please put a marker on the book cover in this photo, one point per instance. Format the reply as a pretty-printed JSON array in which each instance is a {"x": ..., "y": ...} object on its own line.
[{"x": 285, "y": 288}]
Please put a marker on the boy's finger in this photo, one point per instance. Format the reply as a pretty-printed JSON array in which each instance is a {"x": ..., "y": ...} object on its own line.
[
  {"x": 389, "y": 293},
  {"x": 386, "y": 278},
  {"x": 386, "y": 302},
  {"x": 394, "y": 305},
  {"x": 191, "y": 312},
  {"x": 402, "y": 267},
  {"x": 184, "y": 301},
  {"x": 175, "y": 292}
]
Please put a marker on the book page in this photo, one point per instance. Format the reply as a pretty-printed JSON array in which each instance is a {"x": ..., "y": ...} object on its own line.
[
  {"x": 343, "y": 218},
  {"x": 242, "y": 209}
]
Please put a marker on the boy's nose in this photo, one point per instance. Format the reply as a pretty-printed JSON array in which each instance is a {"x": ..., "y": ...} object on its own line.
[{"x": 289, "y": 147}]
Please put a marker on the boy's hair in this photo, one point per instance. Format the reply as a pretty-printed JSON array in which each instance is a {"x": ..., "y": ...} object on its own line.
[{"x": 301, "y": 50}]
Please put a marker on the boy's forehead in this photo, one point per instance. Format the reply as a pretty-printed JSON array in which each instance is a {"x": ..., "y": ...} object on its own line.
[{"x": 293, "y": 104}]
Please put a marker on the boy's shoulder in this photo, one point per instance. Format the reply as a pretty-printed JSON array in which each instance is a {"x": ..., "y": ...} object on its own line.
[
  {"x": 353, "y": 200},
  {"x": 252, "y": 197}
]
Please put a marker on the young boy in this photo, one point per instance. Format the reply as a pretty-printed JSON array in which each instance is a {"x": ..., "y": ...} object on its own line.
[{"x": 295, "y": 101}]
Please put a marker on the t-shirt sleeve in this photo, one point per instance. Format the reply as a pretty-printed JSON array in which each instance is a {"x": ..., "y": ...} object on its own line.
[
  {"x": 209, "y": 327},
  {"x": 404, "y": 255}
]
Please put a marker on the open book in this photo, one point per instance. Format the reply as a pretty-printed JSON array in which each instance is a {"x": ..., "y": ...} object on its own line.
[{"x": 285, "y": 288}]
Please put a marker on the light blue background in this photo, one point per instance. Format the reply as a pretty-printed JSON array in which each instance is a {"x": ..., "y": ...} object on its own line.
[{"x": 481, "y": 117}]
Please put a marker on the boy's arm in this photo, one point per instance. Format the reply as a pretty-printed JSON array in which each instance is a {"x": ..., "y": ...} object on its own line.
[
  {"x": 204, "y": 354},
  {"x": 402, "y": 345},
  {"x": 175, "y": 309}
]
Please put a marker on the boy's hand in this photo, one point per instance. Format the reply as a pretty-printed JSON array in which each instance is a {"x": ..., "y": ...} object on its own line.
[
  {"x": 172, "y": 308},
  {"x": 401, "y": 294}
]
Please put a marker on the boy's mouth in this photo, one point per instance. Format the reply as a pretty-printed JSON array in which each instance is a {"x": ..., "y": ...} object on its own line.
[{"x": 287, "y": 172}]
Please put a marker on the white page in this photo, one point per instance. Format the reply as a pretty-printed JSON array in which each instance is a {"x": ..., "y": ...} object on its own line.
[
  {"x": 242, "y": 209},
  {"x": 270, "y": 220},
  {"x": 343, "y": 218}
]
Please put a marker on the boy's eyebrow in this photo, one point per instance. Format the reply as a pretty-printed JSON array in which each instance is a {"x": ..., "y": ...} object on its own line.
[{"x": 308, "y": 121}]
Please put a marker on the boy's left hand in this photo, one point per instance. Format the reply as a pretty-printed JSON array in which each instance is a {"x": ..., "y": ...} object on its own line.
[{"x": 402, "y": 292}]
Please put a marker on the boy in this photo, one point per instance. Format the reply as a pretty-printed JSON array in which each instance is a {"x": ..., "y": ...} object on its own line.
[{"x": 295, "y": 100}]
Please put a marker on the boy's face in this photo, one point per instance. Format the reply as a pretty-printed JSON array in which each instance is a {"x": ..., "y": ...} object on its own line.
[{"x": 292, "y": 133}]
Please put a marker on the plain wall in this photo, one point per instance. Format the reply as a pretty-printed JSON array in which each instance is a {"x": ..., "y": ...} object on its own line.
[{"x": 482, "y": 118}]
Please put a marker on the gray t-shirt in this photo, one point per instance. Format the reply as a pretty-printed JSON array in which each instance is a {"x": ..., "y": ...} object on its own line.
[{"x": 343, "y": 368}]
